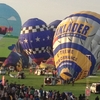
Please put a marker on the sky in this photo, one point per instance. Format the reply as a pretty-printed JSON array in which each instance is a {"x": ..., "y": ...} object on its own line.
[{"x": 50, "y": 10}]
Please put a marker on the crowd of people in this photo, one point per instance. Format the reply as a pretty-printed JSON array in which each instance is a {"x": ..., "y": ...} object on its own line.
[{"x": 14, "y": 91}]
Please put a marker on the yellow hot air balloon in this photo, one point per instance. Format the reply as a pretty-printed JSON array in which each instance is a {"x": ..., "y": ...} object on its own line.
[{"x": 76, "y": 45}]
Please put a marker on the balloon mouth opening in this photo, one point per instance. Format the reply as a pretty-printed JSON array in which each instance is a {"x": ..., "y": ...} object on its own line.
[{"x": 38, "y": 60}]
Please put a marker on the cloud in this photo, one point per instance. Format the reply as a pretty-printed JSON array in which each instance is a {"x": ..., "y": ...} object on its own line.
[{"x": 12, "y": 18}]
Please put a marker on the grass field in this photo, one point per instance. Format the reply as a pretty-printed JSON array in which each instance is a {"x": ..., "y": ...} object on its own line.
[
  {"x": 37, "y": 81},
  {"x": 4, "y": 44}
]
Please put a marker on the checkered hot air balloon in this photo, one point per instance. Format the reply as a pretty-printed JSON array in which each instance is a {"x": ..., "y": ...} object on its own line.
[
  {"x": 52, "y": 27},
  {"x": 76, "y": 45},
  {"x": 35, "y": 39}
]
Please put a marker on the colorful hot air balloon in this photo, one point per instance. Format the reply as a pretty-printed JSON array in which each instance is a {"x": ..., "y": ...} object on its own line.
[
  {"x": 10, "y": 26},
  {"x": 24, "y": 57},
  {"x": 35, "y": 39},
  {"x": 20, "y": 56},
  {"x": 18, "y": 48},
  {"x": 3, "y": 30},
  {"x": 50, "y": 61},
  {"x": 76, "y": 45},
  {"x": 13, "y": 60},
  {"x": 52, "y": 27}
]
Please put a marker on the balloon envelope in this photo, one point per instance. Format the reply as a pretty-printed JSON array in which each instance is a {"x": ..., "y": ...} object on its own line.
[
  {"x": 12, "y": 59},
  {"x": 76, "y": 45},
  {"x": 52, "y": 27},
  {"x": 18, "y": 49},
  {"x": 50, "y": 61},
  {"x": 10, "y": 26},
  {"x": 35, "y": 39}
]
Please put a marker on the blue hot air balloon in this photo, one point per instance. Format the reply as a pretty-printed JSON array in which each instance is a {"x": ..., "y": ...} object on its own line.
[
  {"x": 35, "y": 39},
  {"x": 17, "y": 58},
  {"x": 25, "y": 60},
  {"x": 76, "y": 45},
  {"x": 52, "y": 27},
  {"x": 19, "y": 50},
  {"x": 10, "y": 26},
  {"x": 13, "y": 59}
]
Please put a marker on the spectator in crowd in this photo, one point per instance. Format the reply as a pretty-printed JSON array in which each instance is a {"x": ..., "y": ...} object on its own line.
[
  {"x": 97, "y": 98},
  {"x": 41, "y": 92},
  {"x": 14, "y": 91},
  {"x": 80, "y": 97},
  {"x": 83, "y": 97}
]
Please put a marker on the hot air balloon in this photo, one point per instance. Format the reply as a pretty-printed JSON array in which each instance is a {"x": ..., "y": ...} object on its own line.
[
  {"x": 24, "y": 57},
  {"x": 52, "y": 27},
  {"x": 25, "y": 60},
  {"x": 50, "y": 61},
  {"x": 35, "y": 39},
  {"x": 18, "y": 49},
  {"x": 10, "y": 26},
  {"x": 76, "y": 45},
  {"x": 13, "y": 60}
]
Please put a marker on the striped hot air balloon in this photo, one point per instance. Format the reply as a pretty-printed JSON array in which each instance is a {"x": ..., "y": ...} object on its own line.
[
  {"x": 35, "y": 39},
  {"x": 76, "y": 45}
]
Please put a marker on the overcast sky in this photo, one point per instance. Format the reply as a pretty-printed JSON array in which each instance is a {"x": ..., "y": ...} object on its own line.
[{"x": 50, "y": 10}]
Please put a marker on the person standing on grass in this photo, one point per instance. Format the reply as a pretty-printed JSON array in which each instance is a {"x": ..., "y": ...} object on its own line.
[
  {"x": 97, "y": 98},
  {"x": 80, "y": 97},
  {"x": 44, "y": 95},
  {"x": 9, "y": 71},
  {"x": 41, "y": 92},
  {"x": 83, "y": 97},
  {"x": 30, "y": 71},
  {"x": 73, "y": 80}
]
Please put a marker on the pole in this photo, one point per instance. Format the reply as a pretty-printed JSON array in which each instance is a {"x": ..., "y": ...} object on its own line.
[{"x": 87, "y": 91}]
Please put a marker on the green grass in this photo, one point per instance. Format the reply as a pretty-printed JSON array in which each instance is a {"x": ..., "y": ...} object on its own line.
[
  {"x": 4, "y": 44},
  {"x": 37, "y": 81}
]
